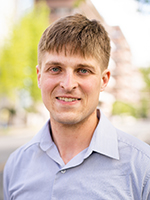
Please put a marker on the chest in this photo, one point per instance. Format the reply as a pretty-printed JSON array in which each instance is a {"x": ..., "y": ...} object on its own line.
[{"x": 96, "y": 178}]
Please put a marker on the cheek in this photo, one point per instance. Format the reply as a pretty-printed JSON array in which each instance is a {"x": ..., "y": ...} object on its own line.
[
  {"x": 92, "y": 87},
  {"x": 47, "y": 85}
]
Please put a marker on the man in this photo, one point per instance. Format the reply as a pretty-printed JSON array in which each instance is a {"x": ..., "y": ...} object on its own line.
[{"x": 78, "y": 154}]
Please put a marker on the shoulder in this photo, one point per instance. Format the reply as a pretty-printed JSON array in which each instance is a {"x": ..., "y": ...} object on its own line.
[
  {"x": 20, "y": 155},
  {"x": 135, "y": 156},
  {"x": 23, "y": 154},
  {"x": 133, "y": 144}
]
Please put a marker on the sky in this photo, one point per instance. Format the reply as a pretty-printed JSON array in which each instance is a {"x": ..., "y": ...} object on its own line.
[{"x": 134, "y": 25}]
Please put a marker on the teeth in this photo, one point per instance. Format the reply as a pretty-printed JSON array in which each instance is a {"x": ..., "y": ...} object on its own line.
[{"x": 67, "y": 99}]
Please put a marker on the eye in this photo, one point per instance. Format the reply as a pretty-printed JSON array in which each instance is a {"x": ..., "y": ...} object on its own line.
[
  {"x": 83, "y": 71},
  {"x": 55, "y": 70}
]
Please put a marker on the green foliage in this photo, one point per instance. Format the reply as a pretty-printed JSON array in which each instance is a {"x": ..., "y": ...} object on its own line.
[
  {"x": 146, "y": 91},
  {"x": 146, "y": 77},
  {"x": 19, "y": 55},
  {"x": 123, "y": 108},
  {"x": 77, "y": 3},
  {"x": 142, "y": 110},
  {"x": 137, "y": 111},
  {"x": 143, "y": 6},
  {"x": 143, "y": 1}
]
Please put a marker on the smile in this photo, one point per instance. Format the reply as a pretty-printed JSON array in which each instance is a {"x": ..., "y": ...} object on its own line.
[{"x": 67, "y": 99}]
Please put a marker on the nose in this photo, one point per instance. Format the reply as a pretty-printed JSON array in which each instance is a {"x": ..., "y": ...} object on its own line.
[{"x": 69, "y": 82}]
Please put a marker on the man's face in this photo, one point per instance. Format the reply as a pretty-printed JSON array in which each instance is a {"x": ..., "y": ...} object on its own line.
[{"x": 70, "y": 86}]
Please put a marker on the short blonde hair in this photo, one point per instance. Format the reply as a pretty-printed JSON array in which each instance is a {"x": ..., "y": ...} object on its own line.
[{"x": 75, "y": 34}]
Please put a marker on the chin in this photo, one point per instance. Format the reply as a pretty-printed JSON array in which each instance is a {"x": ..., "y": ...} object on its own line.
[{"x": 67, "y": 119}]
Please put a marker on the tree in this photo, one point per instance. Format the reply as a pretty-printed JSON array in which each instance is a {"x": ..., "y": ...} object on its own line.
[
  {"x": 144, "y": 6},
  {"x": 146, "y": 91},
  {"x": 146, "y": 77},
  {"x": 19, "y": 55},
  {"x": 143, "y": 1}
]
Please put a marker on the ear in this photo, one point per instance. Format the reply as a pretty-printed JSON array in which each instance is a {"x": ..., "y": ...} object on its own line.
[
  {"x": 38, "y": 71},
  {"x": 105, "y": 79}
]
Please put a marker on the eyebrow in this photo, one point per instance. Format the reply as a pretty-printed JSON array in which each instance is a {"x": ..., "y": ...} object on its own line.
[
  {"x": 53, "y": 63},
  {"x": 78, "y": 65},
  {"x": 86, "y": 66}
]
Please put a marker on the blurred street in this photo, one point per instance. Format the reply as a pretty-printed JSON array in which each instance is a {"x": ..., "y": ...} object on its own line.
[{"x": 15, "y": 137}]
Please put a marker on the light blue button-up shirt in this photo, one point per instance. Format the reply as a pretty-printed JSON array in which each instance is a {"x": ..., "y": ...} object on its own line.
[{"x": 114, "y": 166}]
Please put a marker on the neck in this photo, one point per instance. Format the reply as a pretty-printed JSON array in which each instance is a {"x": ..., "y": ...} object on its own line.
[{"x": 72, "y": 139}]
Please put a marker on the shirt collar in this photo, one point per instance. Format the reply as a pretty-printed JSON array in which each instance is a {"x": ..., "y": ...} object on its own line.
[
  {"x": 104, "y": 140},
  {"x": 46, "y": 140},
  {"x": 42, "y": 138}
]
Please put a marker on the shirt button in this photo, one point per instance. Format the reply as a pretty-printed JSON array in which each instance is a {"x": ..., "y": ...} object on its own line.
[{"x": 63, "y": 171}]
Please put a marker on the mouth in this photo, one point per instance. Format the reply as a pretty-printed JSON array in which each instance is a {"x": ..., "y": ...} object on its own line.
[{"x": 68, "y": 99}]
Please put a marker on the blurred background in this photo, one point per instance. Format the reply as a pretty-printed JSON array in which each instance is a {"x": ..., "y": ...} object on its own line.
[{"x": 126, "y": 101}]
